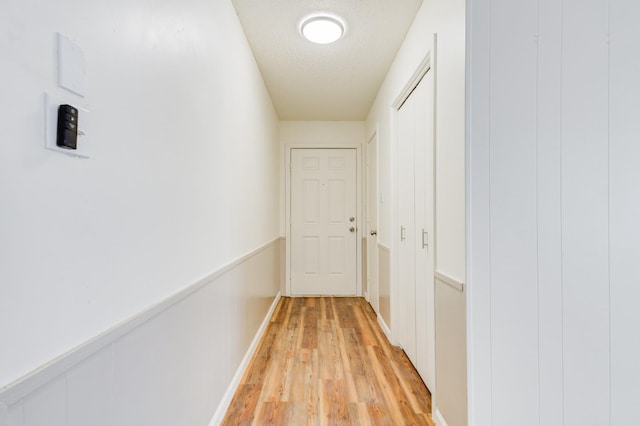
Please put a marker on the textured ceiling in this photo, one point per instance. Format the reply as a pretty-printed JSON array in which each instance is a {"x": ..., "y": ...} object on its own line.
[{"x": 338, "y": 81}]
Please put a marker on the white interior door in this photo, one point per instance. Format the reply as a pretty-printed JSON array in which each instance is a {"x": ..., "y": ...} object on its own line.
[
  {"x": 416, "y": 218},
  {"x": 323, "y": 222},
  {"x": 372, "y": 222}
]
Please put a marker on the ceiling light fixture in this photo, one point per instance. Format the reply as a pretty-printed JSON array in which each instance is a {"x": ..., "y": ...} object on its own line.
[{"x": 322, "y": 29}]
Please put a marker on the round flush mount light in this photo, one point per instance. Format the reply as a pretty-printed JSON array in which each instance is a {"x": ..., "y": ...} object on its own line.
[{"x": 322, "y": 29}]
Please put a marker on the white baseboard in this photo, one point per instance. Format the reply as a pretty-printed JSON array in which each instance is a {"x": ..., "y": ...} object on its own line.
[
  {"x": 218, "y": 416},
  {"x": 438, "y": 419},
  {"x": 385, "y": 328}
]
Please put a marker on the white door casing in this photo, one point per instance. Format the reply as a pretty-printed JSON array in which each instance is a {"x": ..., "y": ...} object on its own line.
[
  {"x": 324, "y": 221},
  {"x": 372, "y": 222}
]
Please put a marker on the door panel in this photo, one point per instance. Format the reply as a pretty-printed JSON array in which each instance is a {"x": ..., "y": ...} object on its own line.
[
  {"x": 311, "y": 255},
  {"x": 337, "y": 201},
  {"x": 323, "y": 239}
]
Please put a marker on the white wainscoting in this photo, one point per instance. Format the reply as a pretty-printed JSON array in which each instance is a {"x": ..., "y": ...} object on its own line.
[
  {"x": 172, "y": 364},
  {"x": 384, "y": 288},
  {"x": 438, "y": 419}
]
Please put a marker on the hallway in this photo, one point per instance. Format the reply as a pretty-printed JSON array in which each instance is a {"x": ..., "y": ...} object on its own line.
[
  {"x": 326, "y": 361},
  {"x": 139, "y": 272}
]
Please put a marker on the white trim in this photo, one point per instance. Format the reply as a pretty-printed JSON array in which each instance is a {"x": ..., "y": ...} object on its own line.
[
  {"x": 383, "y": 324},
  {"x": 445, "y": 279},
  {"x": 365, "y": 210},
  {"x": 438, "y": 418},
  {"x": 218, "y": 416},
  {"x": 434, "y": 69},
  {"x": 385, "y": 328},
  {"x": 413, "y": 82},
  {"x": 384, "y": 247},
  {"x": 37, "y": 378},
  {"x": 478, "y": 212},
  {"x": 393, "y": 236},
  {"x": 359, "y": 210}
]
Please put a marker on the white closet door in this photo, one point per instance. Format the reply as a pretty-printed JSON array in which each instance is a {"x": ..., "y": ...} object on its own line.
[
  {"x": 424, "y": 222},
  {"x": 416, "y": 218},
  {"x": 406, "y": 216}
]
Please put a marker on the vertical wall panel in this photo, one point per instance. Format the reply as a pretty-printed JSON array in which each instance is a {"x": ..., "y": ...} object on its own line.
[
  {"x": 89, "y": 391},
  {"x": 478, "y": 144},
  {"x": 47, "y": 406},
  {"x": 15, "y": 414},
  {"x": 140, "y": 360},
  {"x": 585, "y": 212},
  {"x": 588, "y": 205},
  {"x": 625, "y": 211},
  {"x": 550, "y": 210},
  {"x": 514, "y": 313}
]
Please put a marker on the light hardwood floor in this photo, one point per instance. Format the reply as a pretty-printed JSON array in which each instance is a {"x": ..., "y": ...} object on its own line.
[{"x": 325, "y": 361}]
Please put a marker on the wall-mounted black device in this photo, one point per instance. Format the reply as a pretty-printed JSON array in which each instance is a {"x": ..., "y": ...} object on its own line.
[{"x": 67, "y": 127}]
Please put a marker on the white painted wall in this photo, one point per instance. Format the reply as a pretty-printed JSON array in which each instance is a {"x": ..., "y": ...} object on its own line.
[
  {"x": 186, "y": 152},
  {"x": 447, "y": 19},
  {"x": 553, "y": 209}
]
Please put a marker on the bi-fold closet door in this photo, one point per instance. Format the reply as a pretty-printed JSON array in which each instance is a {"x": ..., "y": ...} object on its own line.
[{"x": 416, "y": 218}]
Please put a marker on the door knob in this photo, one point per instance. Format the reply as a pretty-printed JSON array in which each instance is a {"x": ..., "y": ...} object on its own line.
[
  {"x": 352, "y": 229},
  {"x": 373, "y": 232},
  {"x": 351, "y": 219}
]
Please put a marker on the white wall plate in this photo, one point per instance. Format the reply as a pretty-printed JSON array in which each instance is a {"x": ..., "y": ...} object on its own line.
[{"x": 71, "y": 67}]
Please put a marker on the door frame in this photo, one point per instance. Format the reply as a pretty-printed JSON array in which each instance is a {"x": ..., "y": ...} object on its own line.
[
  {"x": 425, "y": 66},
  {"x": 365, "y": 197},
  {"x": 359, "y": 211}
]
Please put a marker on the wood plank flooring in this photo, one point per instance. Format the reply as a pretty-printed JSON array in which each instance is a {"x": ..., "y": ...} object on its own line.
[{"x": 325, "y": 361}]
